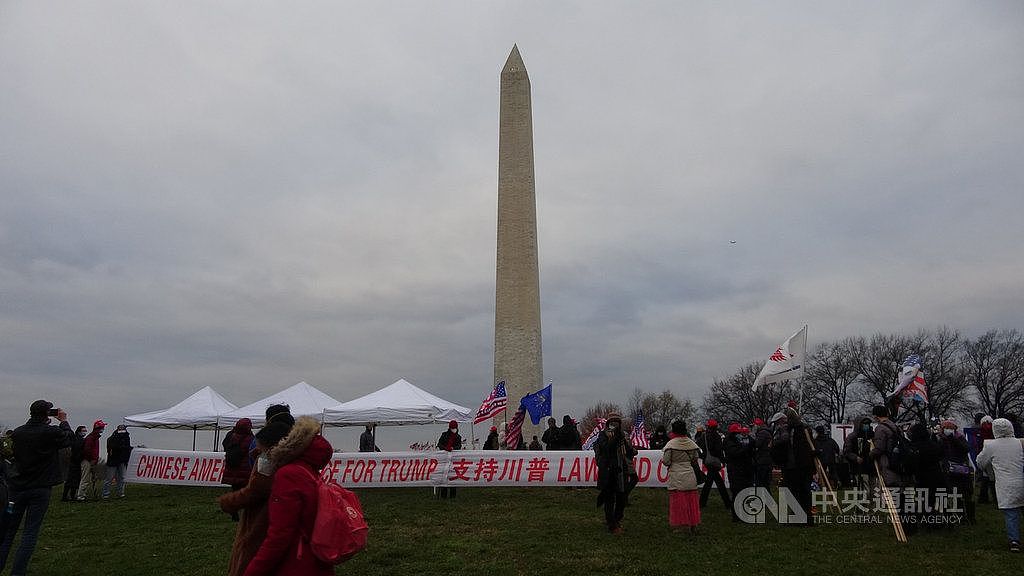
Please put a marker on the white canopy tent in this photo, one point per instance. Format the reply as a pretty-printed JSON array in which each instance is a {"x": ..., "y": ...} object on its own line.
[
  {"x": 398, "y": 404},
  {"x": 303, "y": 399},
  {"x": 200, "y": 411}
]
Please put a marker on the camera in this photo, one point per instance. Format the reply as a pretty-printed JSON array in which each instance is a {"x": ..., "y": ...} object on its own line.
[{"x": 52, "y": 411}]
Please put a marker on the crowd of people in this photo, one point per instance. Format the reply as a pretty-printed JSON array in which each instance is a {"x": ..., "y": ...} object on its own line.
[
  {"x": 39, "y": 455},
  {"x": 931, "y": 463}
]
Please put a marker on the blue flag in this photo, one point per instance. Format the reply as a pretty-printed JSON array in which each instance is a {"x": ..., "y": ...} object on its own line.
[{"x": 538, "y": 404}]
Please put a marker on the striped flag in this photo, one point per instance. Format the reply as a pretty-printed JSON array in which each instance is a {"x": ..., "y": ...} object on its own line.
[
  {"x": 638, "y": 436},
  {"x": 910, "y": 382},
  {"x": 598, "y": 428},
  {"x": 493, "y": 405},
  {"x": 515, "y": 429}
]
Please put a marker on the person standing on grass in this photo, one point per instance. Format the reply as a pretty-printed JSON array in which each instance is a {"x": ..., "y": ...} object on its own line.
[
  {"x": 762, "y": 454},
  {"x": 1003, "y": 457},
  {"x": 449, "y": 441},
  {"x": 90, "y": 457},
  {"x": 829, "y": 452},
  {"x": 37, "y": 470},
  {"x": 985, "y": 483},
  {"x": 614, "y": 456},
  {"x": 74, "y": 469},
  {"x": 958, "y": 462},
  {"x": 714, "y": 460},
  {"x": 119, "y": 450},
  {"x": 857, "y": 451},
  {"x": 794, "y": 453},
  {"x": 285, "y": 551},
  {"x": 251, "y": 500},
  {"x": 739, "y": 453},
  {"x": 680, "y": 457}
]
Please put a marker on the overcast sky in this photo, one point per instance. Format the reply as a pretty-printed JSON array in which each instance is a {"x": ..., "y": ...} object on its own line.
[{"x": 245, "y": 196}]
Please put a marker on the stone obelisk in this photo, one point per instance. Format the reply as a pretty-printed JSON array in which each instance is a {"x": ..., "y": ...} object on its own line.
[{"x": 517, "y": 344}]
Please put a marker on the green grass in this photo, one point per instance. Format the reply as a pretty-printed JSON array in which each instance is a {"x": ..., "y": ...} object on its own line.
[{"x": 163, "y": 530}]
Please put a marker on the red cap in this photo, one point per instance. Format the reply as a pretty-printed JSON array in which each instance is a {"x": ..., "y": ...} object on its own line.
[
  {"x": 712, "y": 423},
  {"x": 744, "y": 430},
  {"x": 494, "y": 428},
  {"x": 99, "y": 424},
  {"x": 791, "y": 404},
  {"x": 758, "y": 422},
  {"x": 734, "y": 428},
  {"x": 453, "y": 424}
]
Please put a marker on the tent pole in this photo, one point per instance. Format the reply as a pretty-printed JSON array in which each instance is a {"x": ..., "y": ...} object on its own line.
[{"x": 193, "y": 438}]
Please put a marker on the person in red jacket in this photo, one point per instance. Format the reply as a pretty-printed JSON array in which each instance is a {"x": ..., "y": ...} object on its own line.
[
  {"x": 90, "y": 456},
  {"x": 293, "y": 502}
]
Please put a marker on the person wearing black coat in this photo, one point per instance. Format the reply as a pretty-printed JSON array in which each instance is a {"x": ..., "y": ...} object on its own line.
[
  {"x": 492, "y": 439},
  {"x": 450, "y": 440},
  {"x": 74, "y": 473},
  {"x": 551, "y": 438},
  {"x": 739, "y": 453},
  {"x": 960, "y": 476},
  {"x": 928, "y": 470},
  {"x": 857, "y": 451},
  {"x": 659, "y": 438},
  {"x": 119, "y": 450},
  {"x": 762, "y": 454},
  {"x": 37, "y": 470},
  {"x": 614, "y": 457},
  {"x": 568, "y": 435},
  {"x": 793, "y": 452},
  {"x": 714, "y": 459}
]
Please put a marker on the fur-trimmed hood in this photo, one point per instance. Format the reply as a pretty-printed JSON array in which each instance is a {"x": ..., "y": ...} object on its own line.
[{"x": 295, "y": 443}]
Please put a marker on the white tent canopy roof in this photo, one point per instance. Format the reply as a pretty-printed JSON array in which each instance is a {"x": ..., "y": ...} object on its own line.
[
  {"x": 199, "y": 411},
  {"x": 303, "y": 399},
  {"x": 398, "y": 404}
]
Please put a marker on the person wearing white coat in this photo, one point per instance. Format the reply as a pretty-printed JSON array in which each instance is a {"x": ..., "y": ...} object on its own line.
[{"x": 1004, "y": 457}]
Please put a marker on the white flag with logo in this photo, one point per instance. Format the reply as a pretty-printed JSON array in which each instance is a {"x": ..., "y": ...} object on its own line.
[{"x": 787, "y": 362}]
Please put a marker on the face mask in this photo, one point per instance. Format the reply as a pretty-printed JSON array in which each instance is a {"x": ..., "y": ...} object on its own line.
[
  {"x": 948, "y": 431},
  {"x": 452, "y": 430},
  {"x": 613, "y": 427},
  {"x": 866, "y": 427}
]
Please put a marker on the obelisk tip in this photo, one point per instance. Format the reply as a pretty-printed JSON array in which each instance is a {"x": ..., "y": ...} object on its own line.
[{"x": 514, "y": 62}]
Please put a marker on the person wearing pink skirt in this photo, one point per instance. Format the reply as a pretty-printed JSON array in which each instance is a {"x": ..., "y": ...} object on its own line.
[{"x": 680, "y": 456}]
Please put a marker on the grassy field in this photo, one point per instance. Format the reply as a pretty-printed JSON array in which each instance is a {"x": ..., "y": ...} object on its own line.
[{"x": 161, "y": 530}]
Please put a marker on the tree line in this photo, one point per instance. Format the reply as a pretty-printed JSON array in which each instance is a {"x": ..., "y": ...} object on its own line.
[{"x": 843, "y": 379}]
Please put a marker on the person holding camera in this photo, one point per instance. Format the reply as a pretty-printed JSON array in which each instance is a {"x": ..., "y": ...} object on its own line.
[{"x": 37, "y": 469}]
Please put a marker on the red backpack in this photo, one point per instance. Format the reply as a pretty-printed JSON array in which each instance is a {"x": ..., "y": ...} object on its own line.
[{"x": 339, "y": 530}]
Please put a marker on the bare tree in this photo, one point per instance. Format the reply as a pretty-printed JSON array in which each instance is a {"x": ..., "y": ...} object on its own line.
[
  {"x": 599, "y": 410},
  {"x": 995, "y": 369},
  {"x": 828, "y": 380},
  {"x": 879, "y": 361},
  {"x": 663, "y": 408},
  {"x": 942, "y": 361},
  {"x": 733, "y": 400}
]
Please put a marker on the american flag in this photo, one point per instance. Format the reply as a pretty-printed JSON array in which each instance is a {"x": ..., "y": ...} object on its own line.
[
  {"x": 598, "y": 428},
  {"x": 494, "y": 404},
  {"x": 638, "y": 436},
  {"x": 514, "y": 429}
]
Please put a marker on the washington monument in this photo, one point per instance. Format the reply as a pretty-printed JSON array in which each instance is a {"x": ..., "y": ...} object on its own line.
[{"x": 517, "y": 344}]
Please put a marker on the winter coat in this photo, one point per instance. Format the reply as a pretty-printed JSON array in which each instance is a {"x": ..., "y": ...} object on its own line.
[
  {"x": 762, "y": 447},
  {"x": 955, "y": 449},
  {"x": 885, "y": 440},
  {"x": 712, "y": 447},
  {"x": 929, "y": 471},
  {"x": 252, "y": 500},
  {"x": 237, "y": 445},
  {"x": 827, "y": 448},
  {"x": 791, "y": 449},
  {"x": 292, "y": 510},
  {"x": 739, "y": 455},
  {"x": 551, "y": 439},
  {"x": 492, "y": 441},
  {"x": 569, "y": 436},
  {"x": 658, "y": 440},
  {"x": 36, "y": 454},
  {"x": 1003, "y": 456},
  {"x": 91, "y": 447},
  {"x": 456, "y": 441},
  {"x": 119, "y": 448},
  {"x": 366, "y": 443},
  {"x": 858, "y": 445},
  {"x": 677, "y": 456},
  {"x": 614, "y": 462}
]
